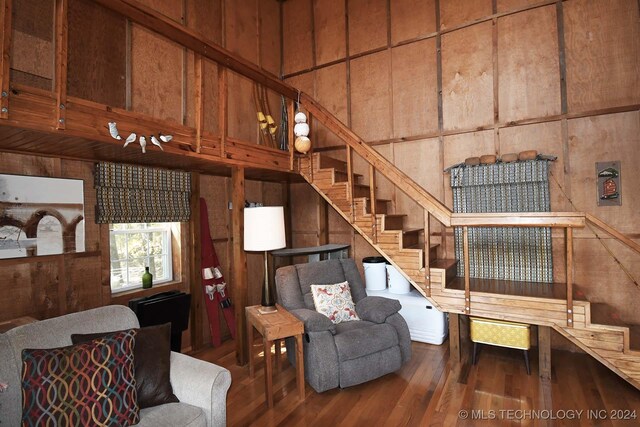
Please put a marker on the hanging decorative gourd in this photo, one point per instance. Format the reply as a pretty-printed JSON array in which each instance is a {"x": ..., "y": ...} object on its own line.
[{"x": 301, "y": 131}]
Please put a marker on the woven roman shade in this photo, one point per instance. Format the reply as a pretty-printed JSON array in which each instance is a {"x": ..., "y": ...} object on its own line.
[
  {"x": 131, "y": 194},
  {"x": 507, "y": 253}
]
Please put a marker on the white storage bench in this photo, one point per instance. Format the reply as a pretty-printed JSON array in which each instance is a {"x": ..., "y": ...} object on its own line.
[{"x": 426, "y": 324}]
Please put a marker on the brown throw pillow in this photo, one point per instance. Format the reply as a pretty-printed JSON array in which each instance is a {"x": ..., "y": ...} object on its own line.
[{"x": 151, "y": 358}]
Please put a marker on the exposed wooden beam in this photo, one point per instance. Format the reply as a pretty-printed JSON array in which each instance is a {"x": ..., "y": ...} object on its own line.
[
  {"x": 222, "y": 108},
  {"x": 239, "y": 273},
  {"x": 197, "y": 42},
  {"x": 195, "y": 267},
  {"x": 5, "y": 45},
  {"x": 544, "y": 352},
  {"x": 198, "y": 99},
  {"x": 62, "y": 42}
]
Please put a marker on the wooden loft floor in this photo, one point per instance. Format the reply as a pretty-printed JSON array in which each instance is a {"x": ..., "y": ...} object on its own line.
[
  {"x": 62, "y": 145},
  {"x": 428, "y": 391}
]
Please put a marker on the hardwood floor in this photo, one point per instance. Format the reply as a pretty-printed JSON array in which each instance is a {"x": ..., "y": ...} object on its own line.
[{"x": 428, "y": 392}]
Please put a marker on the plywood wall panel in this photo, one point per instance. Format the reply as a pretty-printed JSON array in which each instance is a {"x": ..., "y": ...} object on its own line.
[
  {"x": 545, "y": 138},
  {"x": 602, "y": 278},
  {"x": 529, "y": 71},
  {"x": 507, "y": 5},
  {"x": 603, "y": 53},
  {"x": 456, "y": 12},
  {"x": 384, "y": 188},
  {"x": 170, "y": 8},
  {"x": 421, "y": 161},
  {"x": 600, "y": 139},
  {"x": 269, "y": 38},
  {"x": 330, "y": 30},
  {"x": 29, "y": 289},
  {"x": 303, "y": 208},
  {"x": 297, "y": 36},
  {"x": 32, "y": 53},
  {"x": 304, "y": 82},
  {"x": 82, "y": 291},
  {"x": 331, "y": 92},
  {"x": 415, "y": 92},
  {"x": 337, "y": 224},
  {"x": 367, "y": 25},
  {"x": 161, "y": 96},
  {"x": 467, "y": 77},
  {"x": 411, "y": 19},
  {"x": 459, "y": 147},
  {"x": 205, "y": 16},
  {"x": 97, "y": 64},
  {"x": 241, "y": 123},
  {"x": 241, "y": 28},
  {"x": 371, "y": 109},
  {"x": 214, "y": 190}
]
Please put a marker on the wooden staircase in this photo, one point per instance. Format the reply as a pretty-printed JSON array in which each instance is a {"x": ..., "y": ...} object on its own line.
[{"x": 538, "y": 303}]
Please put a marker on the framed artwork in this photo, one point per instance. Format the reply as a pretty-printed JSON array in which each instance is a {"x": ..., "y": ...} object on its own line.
[{"x": 40, "y": 216}]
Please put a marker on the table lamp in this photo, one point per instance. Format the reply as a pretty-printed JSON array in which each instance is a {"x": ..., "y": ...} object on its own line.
[{"x": 264, "y": 231}]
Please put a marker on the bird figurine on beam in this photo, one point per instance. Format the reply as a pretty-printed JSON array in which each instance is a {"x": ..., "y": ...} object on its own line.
[
  {"x": 113, "y": 131},
  {"x": 155, "y": 142},
  {"x": 130, "y": 139},
  {"x": 143, "y": 144},
  {"x": 165, "y": 138}
]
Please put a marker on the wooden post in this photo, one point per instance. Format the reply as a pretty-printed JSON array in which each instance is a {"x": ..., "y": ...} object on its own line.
[
  {"x": 198, "y": 99},
  {"x": 5, "y": 17},
  {"x": 350, "y": 182},
  {"x": 61, "y": 63},
  {"x": 290, "y": 135},
  {"x": 467, "y": 290},
  {"x": 310, "y": 154},
  {"x": 222, "y": 109},
  {"x": 372, "y": 200},
  {"x": 544, "y": 352},
  {"x": 195, "y": 267},
  {"x": 454, "y": 337},
  {"x": 239, "y": 273},
  {"x": 569, "y": 246},
  {"x": 323, "y": 220},
  {"x": 427, "y": 253}
]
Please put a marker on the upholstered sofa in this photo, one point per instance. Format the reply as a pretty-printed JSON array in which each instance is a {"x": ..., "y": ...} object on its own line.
[
  {"x": 200, "y": 386},
  {"x": 348, "y": 353}
]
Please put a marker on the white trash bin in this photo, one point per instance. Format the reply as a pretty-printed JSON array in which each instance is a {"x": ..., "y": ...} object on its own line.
[
  {"x": 375, "y": 276},
  {"x": 397, "y": 282}
]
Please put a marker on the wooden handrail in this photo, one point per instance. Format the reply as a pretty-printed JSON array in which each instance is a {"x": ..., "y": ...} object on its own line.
[
  {"x": 380, "y": 163},
  {"x": 519, "y": 219},
  {"x": 613, "y": 232}
]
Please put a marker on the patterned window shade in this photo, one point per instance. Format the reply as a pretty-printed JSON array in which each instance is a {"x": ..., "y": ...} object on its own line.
[
  {"x": 507, "y": 253},
  {"x": 130, "y": 194}
]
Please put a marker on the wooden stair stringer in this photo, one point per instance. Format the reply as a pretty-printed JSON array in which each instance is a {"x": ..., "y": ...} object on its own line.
[{"x": 618, "y": 357}]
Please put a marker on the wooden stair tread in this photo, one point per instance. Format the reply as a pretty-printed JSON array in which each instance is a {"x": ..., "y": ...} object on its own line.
[
  {"x": 512, "y": 287},
  {"x": 411, "y": 230},
  {"x": 431, "y": 246},
  {"x": 443, "y": 264},
  {"x": 604, "y": 314}
]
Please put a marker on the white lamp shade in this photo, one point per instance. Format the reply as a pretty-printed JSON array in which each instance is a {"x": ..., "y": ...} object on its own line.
[{"x": 264, "y": 228}]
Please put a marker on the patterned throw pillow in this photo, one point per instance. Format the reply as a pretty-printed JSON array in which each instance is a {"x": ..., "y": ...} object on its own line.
[
  {"x": 84, "y": 384},
  {"x": 335, "y": 302}
]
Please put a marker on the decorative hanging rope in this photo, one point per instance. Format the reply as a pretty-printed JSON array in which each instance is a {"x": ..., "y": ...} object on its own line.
[{"x": 130, "y": 194}]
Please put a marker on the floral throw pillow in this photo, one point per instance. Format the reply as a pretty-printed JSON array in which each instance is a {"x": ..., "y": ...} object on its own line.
[{"x": 335, "y": 302}]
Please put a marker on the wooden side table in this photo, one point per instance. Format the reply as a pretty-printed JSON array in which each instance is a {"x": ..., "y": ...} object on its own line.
[{"x": 274, "y": 327}]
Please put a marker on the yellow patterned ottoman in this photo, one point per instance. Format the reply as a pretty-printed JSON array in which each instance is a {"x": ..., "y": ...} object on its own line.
[{"x": 501, "y": 333}]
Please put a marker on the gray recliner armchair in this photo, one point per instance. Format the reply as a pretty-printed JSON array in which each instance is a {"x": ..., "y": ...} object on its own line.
[{"x": 348, "y": 353}]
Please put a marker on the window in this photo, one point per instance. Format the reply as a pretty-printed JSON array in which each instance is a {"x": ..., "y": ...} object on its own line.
[{"x": 136, "y": 246}]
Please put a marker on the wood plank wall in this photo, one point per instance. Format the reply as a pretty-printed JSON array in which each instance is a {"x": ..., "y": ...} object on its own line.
[
  {"x": 114, "y": 62},
  {"x": 430, "y": 83}
]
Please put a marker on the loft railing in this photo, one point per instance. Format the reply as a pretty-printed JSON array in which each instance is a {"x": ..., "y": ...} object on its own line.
[{"x": 205, "y": 49}]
